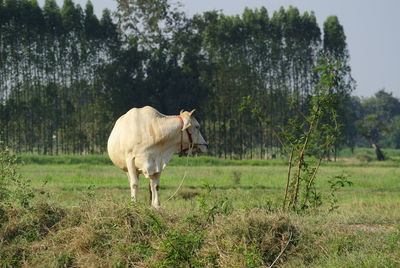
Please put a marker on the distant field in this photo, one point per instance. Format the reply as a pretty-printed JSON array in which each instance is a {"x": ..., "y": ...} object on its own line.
[
  {"x": 263, "y": 180},
  {"x": 227, "y": 213},
  {"x": 345, "y": 156}
]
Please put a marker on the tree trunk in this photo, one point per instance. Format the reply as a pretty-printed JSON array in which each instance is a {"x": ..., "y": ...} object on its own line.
[{"x": 379, "y": 154}]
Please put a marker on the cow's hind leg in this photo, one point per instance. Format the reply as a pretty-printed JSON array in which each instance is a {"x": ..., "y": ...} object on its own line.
[
  {"x": 154, "y": 186},
  {"x": 133, "y": 178}
]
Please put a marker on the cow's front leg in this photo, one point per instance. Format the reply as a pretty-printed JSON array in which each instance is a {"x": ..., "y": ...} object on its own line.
[
  {"x": 133, "y": 177},
  {"x": 154, "y": 186}
]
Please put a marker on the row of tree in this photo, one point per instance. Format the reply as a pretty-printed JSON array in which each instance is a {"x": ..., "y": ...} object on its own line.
[
  {"x": 49, "y": 61},
  {"x": 67, "y": 75},
  {"x": 375, "y": 121}
]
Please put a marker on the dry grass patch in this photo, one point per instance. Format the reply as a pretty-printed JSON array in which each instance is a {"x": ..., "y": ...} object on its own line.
[
  {"x": 115, "y": 234},
  {"x": 110, "y": 234},
  {"x": 250, "y": 239},
  {"x": 187, "y": 194}
]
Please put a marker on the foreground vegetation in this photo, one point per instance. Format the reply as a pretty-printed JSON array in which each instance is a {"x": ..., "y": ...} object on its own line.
[{"x": 224, "y": 216}]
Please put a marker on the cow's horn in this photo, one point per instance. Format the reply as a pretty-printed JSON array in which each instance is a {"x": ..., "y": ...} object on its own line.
[
  {"x": 192, "y": 112},
  {"x": 181, "y": 112}
]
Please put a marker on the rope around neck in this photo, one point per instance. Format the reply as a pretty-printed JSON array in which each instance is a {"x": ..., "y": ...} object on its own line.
[{"x": 184, "y": 174}]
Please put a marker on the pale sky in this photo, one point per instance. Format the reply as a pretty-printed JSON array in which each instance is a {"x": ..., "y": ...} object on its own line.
[{"x": 372, "y": 29}]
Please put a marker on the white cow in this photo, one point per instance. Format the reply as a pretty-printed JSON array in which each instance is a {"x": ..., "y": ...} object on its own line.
[{"x": 143, "y": 141}]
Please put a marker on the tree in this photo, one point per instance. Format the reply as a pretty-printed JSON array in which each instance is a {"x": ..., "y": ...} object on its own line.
[
  {"x": 379, "y": 123},
  {"x": 394, "y": 136},
  {"x": 335, "y": 47},
  {"x": 311, "y": 134},
  {"x": 353, "y": 111},
  {"x": 67, "y": 76},
  {"x": 371, "y": 128}
]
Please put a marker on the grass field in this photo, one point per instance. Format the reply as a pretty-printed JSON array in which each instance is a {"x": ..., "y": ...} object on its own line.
[{"x": 227, "y": 214}]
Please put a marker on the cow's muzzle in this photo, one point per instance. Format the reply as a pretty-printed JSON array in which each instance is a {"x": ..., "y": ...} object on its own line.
[{"x": 202, "y": 147}]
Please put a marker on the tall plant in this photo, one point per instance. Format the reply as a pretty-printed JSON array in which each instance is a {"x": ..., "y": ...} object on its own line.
[{"x": 309, "y": 137}]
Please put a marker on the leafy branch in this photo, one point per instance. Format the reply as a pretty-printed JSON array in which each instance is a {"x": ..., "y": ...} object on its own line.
[{"x": 310, "y": 137}]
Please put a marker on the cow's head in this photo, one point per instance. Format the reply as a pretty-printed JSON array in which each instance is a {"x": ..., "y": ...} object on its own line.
[{"x": 192, "y": 128}]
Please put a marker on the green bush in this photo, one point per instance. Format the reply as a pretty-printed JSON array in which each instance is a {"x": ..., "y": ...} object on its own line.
[
  {"x": 13, "y": 188},
  {"x": 21, "y": 220}
]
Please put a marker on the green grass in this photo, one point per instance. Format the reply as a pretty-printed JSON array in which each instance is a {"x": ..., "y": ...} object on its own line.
[
  {"x": 226, "y": 214},
  {"x": 63, "y": 159},
  {"x": 104, "y": 159},
  {"x": 391, "y": 153},
  {"x": 345, "y": 158}
]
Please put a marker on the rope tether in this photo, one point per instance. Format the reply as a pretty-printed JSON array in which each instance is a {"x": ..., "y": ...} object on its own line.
[{"x": 184, "y": 174}]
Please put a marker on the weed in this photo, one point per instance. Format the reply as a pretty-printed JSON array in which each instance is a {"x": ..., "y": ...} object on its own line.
[
  {"x": 336, "y": 183},
  {"x": 64, "y": 260},
  {"x": 13, "y": 188},
  {"x": 211, "y": 206},
  {"x": 236, "y": 176},
  {"x": 179, "y": 248}
]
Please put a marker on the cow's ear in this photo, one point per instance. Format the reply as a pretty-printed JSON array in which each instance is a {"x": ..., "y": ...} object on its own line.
[{"x": 192, "y": 112}]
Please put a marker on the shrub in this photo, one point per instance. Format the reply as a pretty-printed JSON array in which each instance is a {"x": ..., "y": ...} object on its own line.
[
  {"x": 13, "y": 188},
  {"x": 21, "y": 220}
]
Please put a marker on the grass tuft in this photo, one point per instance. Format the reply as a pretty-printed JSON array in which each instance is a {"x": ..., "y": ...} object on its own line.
[{"x": 251, "y": 239}]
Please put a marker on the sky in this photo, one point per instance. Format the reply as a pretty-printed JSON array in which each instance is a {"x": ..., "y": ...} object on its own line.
[{"x": 372, "y": 29}]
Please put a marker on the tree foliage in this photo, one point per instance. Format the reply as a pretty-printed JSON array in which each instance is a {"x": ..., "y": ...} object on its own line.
[
  {"x": 67, "y": 76},
  {"x": 312, "y": 134},
  {"x": 378, "y": 120}
]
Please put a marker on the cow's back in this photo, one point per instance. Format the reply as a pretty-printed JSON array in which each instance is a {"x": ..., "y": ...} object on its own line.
[{"x": 130, "y": 134}]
